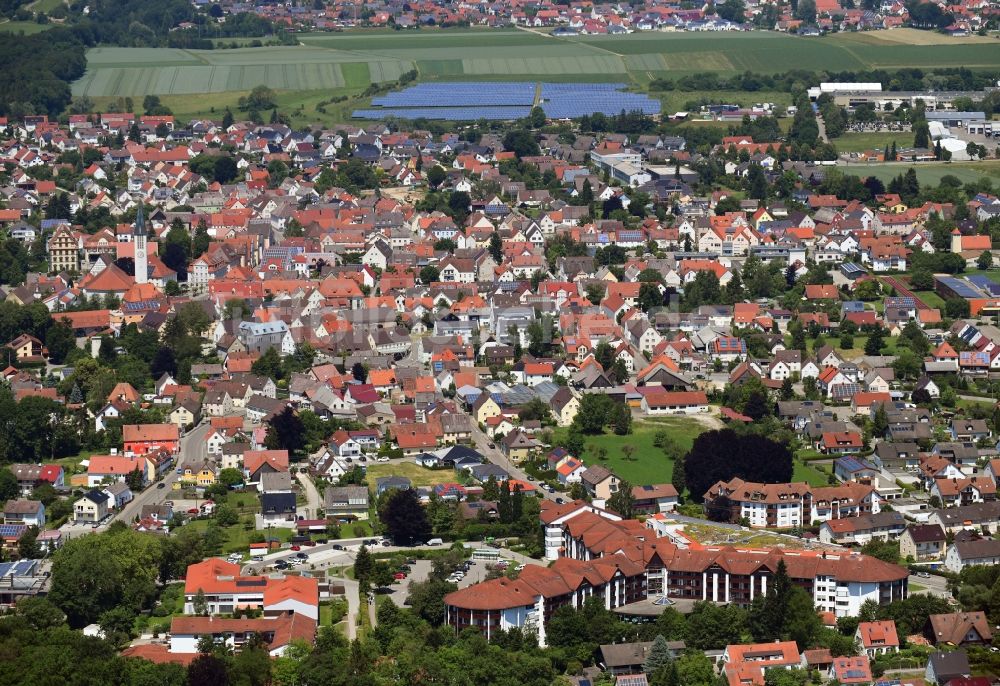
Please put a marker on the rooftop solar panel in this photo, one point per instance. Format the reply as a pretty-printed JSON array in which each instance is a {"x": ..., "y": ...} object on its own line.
[
  {"x": 12, "y": 530},
  {"x": 985, "y": 282},
  {"x": 959, "y": 287}
]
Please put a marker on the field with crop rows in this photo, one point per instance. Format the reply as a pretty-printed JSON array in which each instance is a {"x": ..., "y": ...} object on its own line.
[
  {"x": 115, "y": 72},
  {"x": 354, "y": 59}
]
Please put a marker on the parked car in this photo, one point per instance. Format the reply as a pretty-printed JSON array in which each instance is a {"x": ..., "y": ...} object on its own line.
[
  {"x": 399, "y": 576},
  {"x": 296, "y": 547},
  {"x": 493, "y": 446},
  {"x": 161, "y": 485},
  {"x": 302, "y": 556},
  {"x": 337, "y": 546},
  {"x": 559, "y": 501},
  {"x": 309, "y": 543}
]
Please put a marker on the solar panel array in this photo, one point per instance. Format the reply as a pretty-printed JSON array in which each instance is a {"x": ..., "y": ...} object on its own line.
[
  {"x": 19, "y": 567},
  {"x": 12, "y": 530},
  {"x": 573, "y": 100},
  {"x": 445, "y": 113},
  {"x": 986, "y": 283},
  {"x": 958, "y": 287},
  {"x": 471, "y": 101},
  {"x": 474, "y": 93}
]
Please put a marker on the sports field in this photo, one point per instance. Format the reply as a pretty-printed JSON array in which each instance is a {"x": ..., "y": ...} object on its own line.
[{"x": 354, "y": 59}]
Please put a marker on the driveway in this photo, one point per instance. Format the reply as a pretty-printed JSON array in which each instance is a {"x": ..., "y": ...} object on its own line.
[{"x": 314, "y": 503}]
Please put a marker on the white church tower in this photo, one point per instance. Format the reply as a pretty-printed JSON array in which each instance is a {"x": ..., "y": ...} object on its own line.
[{"x": 139, "y": 238}]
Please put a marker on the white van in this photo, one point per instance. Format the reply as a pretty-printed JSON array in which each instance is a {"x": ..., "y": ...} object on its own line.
[{"x": 435, "y": 541}]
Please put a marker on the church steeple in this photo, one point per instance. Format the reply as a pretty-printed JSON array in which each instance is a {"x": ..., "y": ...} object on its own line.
[
  {"x": 140, "y": 223},
  {"x": 139, "y": 238}
]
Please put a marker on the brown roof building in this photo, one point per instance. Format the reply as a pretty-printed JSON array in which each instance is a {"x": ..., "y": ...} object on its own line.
[{"x": 958, "y": 629}]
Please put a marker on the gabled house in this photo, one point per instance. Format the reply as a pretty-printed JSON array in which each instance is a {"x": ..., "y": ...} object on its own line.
[
  {"x": 92, "y": 507},
  {"x": 346, "y": 503},
  {"x": 958, "y": 629},
  {"x": 877, "y": 638}
]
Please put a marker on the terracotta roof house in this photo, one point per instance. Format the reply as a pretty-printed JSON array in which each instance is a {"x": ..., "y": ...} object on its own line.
[
  {"x": 140, "y": 439},
  {"x": 877, "y": 638},
  {"x": 959, "y": 629}
]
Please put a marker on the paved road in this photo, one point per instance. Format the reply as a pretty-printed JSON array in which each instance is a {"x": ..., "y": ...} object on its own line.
[
  {"x": 314, "y": 503},
  {"x": 822, "y": 128},
  {"x": 193, "y": 450},
  {"x": 352, "y": 592},
  {"x": 482, "y": 443},
  {"x": 934, "y": 585}
]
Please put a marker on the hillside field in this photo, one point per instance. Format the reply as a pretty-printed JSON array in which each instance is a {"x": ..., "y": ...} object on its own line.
[{"x": 353, "y": 59}]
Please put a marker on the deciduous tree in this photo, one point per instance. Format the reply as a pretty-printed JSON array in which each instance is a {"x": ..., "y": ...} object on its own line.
[{"x": 723, "y": 454}]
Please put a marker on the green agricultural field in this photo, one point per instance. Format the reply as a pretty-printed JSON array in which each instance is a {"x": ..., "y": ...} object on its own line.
[
  {"x": 115, "y": 72},
  {"x": 353, "y": 59},
  {"x": 928, "y": 172}
]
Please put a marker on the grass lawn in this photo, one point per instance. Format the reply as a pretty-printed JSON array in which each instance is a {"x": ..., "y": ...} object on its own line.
[
  {"x": 299, "y": 105},
  {"x": 928, "y": 172},
  {"x": 967, "y": 404},
  {"x": 238, "y": 538},
  {"x": 419, "y": 476},
  {"x": 810, "y": 455},
  {"x": 859, "y": 142},
  {"x": 931, "y": 299},
  {"x": 802, "y": 471},
  {"x": 26, "y": 27},
  {"x": 45, "y": 5},
  {"x": 71, "y": 465},
  {"x": 332, "y": 612},
  {"x": 648, "y": 464}
]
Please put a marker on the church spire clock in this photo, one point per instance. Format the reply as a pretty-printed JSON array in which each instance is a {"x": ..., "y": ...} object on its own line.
[{"x": 139, "y": 238}]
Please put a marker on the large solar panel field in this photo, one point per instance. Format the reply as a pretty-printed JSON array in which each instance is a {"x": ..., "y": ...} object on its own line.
[{"x": 471, "y": 101}]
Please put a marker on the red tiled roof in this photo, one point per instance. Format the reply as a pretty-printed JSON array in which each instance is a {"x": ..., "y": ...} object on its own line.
[{"x": 150, "y": 432}]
